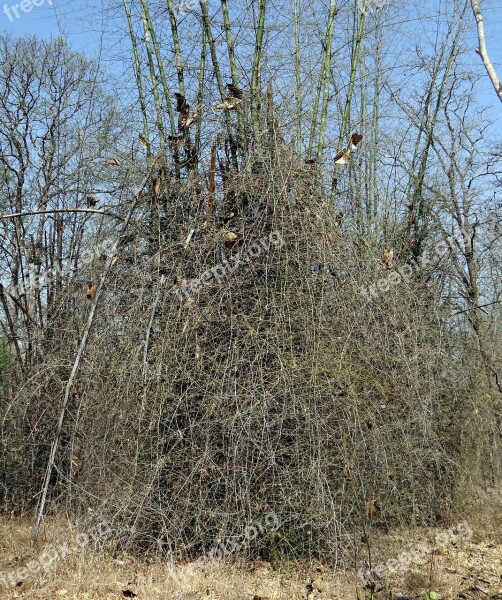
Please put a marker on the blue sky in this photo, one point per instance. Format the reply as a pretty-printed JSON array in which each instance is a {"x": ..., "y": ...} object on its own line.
[
  {"x": 41, "y": 20},
  {"x": 86, "y": 24}
]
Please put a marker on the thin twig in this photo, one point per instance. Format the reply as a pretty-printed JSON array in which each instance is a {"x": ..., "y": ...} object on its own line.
[{"x": 461, "y": 312}]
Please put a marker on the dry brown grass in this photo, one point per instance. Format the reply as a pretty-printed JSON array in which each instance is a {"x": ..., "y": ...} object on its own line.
[
  {"x": 483, "y": 505},
  {"x": 468, "y": 569}
]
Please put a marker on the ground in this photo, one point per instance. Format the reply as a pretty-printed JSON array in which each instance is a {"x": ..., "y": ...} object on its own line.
[{"x": 463, "y": 561}]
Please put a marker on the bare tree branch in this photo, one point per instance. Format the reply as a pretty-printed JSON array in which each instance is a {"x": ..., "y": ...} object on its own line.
[
  {"x": 61, "y": 210},
  {"x": 482, "y": 49}
]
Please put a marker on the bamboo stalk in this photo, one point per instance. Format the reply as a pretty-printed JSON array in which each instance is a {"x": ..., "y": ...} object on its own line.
[
  {"x": 363, "y": 184},
  {"x": 162, "y": 71},
  {"x": 354, "y": 63},
  {"x": 219, "y": 79},
  {"x": 353, "y": 72},
  {"x": 147, "y": 27},
  {"x": 326, "y": 75},
  {"x": 370, "y": 105},
  {"x": 212, "y": 47},
  {"x": 163, "y": 80},
  {"x": 255, "y": 77},
  {"x": 190, "y": 152},
  {"x": 200, "y": 91},
  {"x": 375, "y": 132},
  {"x": 315, "y": 112},
  {"x": 298, "y": 82},
  {"x": 271, "y": 138},
  {"x": 230, "y": 42},
  {"x": 176, "y": 46},
  {"x": 137, "y": 74},
  {"x": 232, "y": 61}
]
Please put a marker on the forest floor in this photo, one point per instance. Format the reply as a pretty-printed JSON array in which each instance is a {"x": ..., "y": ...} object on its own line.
[{"x": 463, "y": 563}]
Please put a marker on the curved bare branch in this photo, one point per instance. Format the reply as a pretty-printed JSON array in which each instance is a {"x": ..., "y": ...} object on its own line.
[
  {"x": 61, "y": 210},
  {"x": 490, "y": 69}
]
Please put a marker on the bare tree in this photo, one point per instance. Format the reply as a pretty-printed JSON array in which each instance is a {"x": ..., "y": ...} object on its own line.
[{"x": 52, "y": 149}]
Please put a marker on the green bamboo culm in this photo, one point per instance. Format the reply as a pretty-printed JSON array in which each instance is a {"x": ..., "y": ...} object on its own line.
[
  {"x": 219, "y": 79},
  {"x": 359, "y": 23},
  {"x": 153, "y": 79},
  {"x": 160, "y": 66},
  {"x": 190, "y": 151},
  {"x": 137, "y": 74},
  {"x": 230, "y": 42},
  {"x": 176, "y": 45},
  {"x": 255, "y": 78},
  {"x": 321, "y": 82},
  {"x": 354, "y": 64},
  {"x": 200, "y": 92},
  {"x": 325, "y": 78},
  {"x": 163, "y": 80},
  {"x": 298, "y": 82},
  {"x": 233, "y": 62},
  {"x": 373, "y": 153}
]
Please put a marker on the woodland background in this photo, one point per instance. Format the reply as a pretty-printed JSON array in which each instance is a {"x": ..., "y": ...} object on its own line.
[{"x": 286, "y": 385}]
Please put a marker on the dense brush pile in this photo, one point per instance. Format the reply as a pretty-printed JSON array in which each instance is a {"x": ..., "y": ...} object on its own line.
[{"x": 275, "y": 385}]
